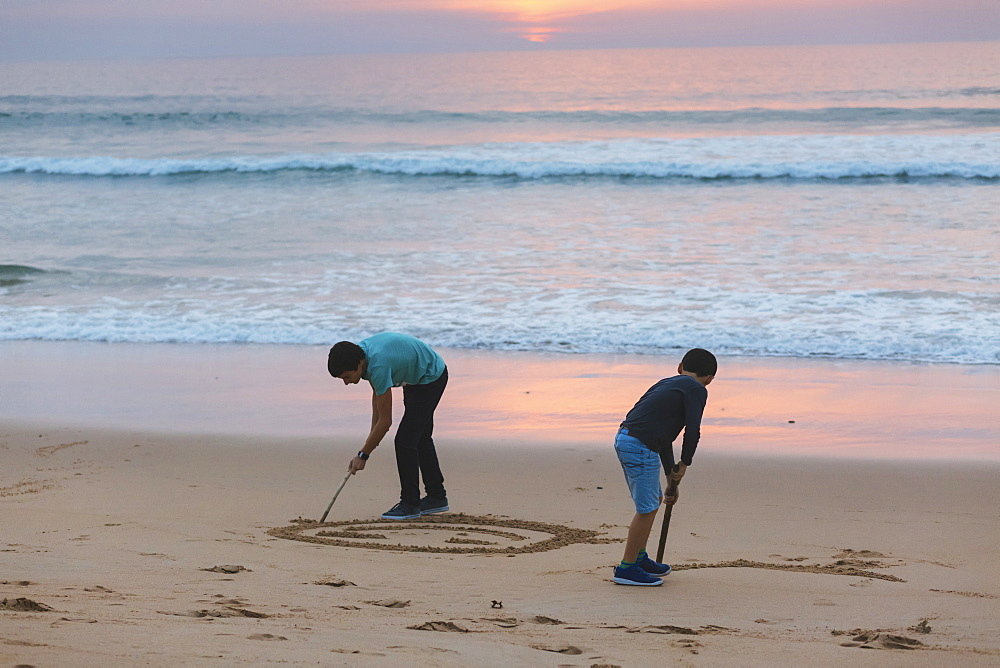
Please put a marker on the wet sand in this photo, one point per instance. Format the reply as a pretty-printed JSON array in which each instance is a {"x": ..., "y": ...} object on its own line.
[{"x": 762, "y": 407}]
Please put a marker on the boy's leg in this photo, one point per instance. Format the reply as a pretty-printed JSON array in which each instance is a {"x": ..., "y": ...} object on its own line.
[
  {"x": 430, "y": 469},
  {"x": 641, "y": 467},
  {"x": 638, "y": 535},
  {"x": 413, "y": 441}
]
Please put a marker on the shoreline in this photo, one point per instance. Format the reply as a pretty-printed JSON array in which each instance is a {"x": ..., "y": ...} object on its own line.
[{"x": 760, "y": 407}]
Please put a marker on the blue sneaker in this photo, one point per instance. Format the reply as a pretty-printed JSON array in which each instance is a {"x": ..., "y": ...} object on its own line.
[
  {"x": 633, "y": 575},
  {"x": 653, "y": 567},
  {"x": 401, "y": 511},
  {"x": 430, "y": 505}
]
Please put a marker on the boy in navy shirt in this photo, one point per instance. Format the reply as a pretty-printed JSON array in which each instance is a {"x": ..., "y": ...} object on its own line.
[{"x": 645, "y": 440}]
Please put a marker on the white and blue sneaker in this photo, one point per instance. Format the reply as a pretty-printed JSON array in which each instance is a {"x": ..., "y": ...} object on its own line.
[
  {"x": 653, "y": 567},
  {"x": 633, "y": 575},
  {"x": 401, "y": 511},
  {"x": 430, "y": 505}
]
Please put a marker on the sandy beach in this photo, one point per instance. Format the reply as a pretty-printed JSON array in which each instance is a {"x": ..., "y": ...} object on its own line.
[{"x": 160, "y": 506}]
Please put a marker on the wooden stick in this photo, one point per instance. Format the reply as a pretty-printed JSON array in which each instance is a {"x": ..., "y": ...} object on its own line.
[
  {"x": 671, "y": 490},
  {"x": 336, "y": 494}
]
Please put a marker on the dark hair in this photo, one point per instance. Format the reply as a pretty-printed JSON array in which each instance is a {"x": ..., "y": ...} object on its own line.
[
  {"x": 344, "y": 356},
  {"x": 700, "y": 362}
]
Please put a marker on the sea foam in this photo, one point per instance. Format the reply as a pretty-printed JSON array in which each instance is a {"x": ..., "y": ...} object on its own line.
[{"x": 760, "y": 157}]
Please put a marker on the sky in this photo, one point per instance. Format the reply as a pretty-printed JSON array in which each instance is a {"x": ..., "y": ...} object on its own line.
[{"x": 140, "y": 29}]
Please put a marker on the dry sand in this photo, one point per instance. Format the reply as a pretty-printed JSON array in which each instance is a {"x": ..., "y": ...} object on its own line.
[
  {"x": 142, "y": 549},
  {"x": 136, "y": 547}
]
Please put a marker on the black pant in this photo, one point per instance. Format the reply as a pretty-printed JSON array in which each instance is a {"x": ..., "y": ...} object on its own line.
[{"x": 415, "y": 454}]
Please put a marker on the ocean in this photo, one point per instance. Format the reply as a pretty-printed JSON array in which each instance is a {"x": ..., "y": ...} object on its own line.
[{"x": 816, "y": 202}]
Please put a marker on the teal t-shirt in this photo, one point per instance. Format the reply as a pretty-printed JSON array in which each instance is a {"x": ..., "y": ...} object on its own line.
[{"x": 398, "y": 359}]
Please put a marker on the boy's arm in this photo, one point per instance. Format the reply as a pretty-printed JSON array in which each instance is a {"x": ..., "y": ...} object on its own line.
[
  {"x": 694, "y": 408},
  {"x": 381, "y": 421},
  {"x": 374, "y": 412}
]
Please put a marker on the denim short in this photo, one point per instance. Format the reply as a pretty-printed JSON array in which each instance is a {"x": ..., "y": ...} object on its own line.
[{"x": 642, "y": 471}]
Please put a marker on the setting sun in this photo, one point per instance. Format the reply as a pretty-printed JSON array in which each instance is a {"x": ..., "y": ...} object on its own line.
[
  {"x": 540, "y": 11},
  {"x": 538, "y": 16},
  {"x": 539, "y": 34}
]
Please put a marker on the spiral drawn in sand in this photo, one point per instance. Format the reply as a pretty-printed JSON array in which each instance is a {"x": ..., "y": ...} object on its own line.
[{"x": 450, "y": 534}]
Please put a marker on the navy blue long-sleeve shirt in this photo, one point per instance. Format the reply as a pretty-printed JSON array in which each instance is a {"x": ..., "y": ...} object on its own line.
[{"x": 665, "y": 409}]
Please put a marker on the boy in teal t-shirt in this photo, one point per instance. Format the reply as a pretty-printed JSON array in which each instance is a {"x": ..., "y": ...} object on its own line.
[{"x": 389, "y": 360}]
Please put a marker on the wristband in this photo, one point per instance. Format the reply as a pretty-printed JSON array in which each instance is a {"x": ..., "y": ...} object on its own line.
[{"x": 364, "y": 455}]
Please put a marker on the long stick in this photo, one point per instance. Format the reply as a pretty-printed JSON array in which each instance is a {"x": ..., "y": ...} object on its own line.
[
  {"x": 671, "y": 490},
  {"x": 336, "y": 494}
]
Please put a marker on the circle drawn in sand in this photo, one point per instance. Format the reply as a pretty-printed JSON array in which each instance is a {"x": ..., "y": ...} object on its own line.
[{"x": 448, "y": 534}]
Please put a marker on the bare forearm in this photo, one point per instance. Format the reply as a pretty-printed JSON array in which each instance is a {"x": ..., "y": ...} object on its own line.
[
  {"x": 381, "y": 420},
  {"x": 379, "y": 429},
  {"x": 374, "y": 412}
]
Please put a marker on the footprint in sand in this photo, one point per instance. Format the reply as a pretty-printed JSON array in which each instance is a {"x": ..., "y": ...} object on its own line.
[
  {"x": 228, "y": 568},
  {"x": 390, "y": 603},
  {"x": 226, "y": 611},
  {"x": 665, "y": 628},
  {"x": 968, "y": 594},
  {"x": 29, "y": 486},
  {"x": 710, "y": 629},
  {"x": 542, "y": 619},
  {"x": 503, "y": 622},
  {"x": 882, "y": 640},
  {"x": 569, "y": 650},
  {"x": 51, "y": 449},
  {"x": 23, "y": 643},
  {"x": 439, "y": 626},
  {"x": 23, "y": 605},
  {"x": 335, "y": 582}
]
